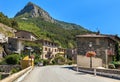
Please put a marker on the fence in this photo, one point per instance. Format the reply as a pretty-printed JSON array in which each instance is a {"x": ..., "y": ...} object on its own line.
[{"x": 113, "y": 73}]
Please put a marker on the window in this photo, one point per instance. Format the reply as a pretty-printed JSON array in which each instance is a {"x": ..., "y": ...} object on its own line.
[
  {"x": 49, "y": 49},
  {"x": 97, "y": 41},
  {"x": 45, "y": 49},
  {"x": 55, "y": 50}
]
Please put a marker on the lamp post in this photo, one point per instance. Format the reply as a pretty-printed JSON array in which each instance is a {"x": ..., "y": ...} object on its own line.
[
  {"x": 30, "y": 49},
  {"x": 106, "y": 56},
  {"x": 90, "y": 45}
]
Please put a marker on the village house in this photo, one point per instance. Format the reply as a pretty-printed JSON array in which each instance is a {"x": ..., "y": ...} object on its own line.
[
  {"x": 62, "y": 51},
  {"x": 50, "y": 49},
  {"x": 103, "y": 45},
  {"x": 3, "y": 39},
  {"x": 72, "y": 54},
  {"x": 25, "y": 35},
  {"x": 16, "y": 44}
]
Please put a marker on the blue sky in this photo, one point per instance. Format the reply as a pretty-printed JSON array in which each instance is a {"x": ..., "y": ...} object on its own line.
[{"x": 103, "y": 15}]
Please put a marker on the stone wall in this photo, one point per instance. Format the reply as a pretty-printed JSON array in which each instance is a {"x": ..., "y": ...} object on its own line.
[
  {"x": 85, "y": 61},
  {"x": 7, "y": 68}
]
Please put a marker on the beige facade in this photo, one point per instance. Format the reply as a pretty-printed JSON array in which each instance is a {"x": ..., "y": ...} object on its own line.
[
  {"x": 50, "y": 49},
  {"x": 85, "y": 61}
]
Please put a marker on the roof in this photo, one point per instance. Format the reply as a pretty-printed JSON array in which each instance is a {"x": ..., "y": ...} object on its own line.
[
  {"x": 27, "y": 32},
  {"x": 113, "y": 37},
  {"x": 20, "y": 39},
  {"x": 42, "y": 40}
]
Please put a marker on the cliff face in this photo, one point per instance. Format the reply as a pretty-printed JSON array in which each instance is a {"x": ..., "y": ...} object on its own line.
[{"x": 33, "y": 11}]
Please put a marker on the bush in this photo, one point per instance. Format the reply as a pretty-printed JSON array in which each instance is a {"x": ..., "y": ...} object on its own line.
[
  {"x": 0, "y": 76},
  {"x": 14, "y": 70},
  {"x": 45, "y": 62},
  {"x": 69, "y": 62},
  {"x": 12, "y": 59},
  {"x": 3, "y": 62},
  {"x": 117, "y": 64},
  {"x": 53, "y": 62},
  {"x": 111, "y": 66},
  {"x": 36, "y": 61},
  {"x": 59, "y": 60}
]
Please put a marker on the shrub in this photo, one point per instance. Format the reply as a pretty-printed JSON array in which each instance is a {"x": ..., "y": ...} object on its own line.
[
  {"x": 12, "y": 59},
  {"x": 36, "y": 61},
  {"x": 69, "y": 62},
  {"x": 3, "y": 62},
  {"x": 117, "y": 64},
  {"x": 0, "y": 76},
  {"x": 45, "y": 62},
  {"x": 14, "y": 70},
  {"x": 111, "y": 66},
  {"x": 53, "y": 62},
  {"x": 59, "y": 60}
]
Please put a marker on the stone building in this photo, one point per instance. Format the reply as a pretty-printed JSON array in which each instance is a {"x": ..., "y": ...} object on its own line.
[
  {"x": 72, "y": 54},
  {"x": 49, "y": 48},
  {"x": 25, "y": 35},
  {"x": 103, "y": 45},
  {"x": 3, "y": 40},
  {"x": 16, "y": 44}
]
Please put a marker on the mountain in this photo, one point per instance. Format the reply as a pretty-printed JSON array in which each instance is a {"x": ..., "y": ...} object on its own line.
[
  {"x": 36, "y": 20},
  {"x": 33, "y": 11}
]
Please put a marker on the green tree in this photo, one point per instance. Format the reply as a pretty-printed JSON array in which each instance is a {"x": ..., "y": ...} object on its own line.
[
  {"x": 58, "y": 59},
  {"x": 12, "y": 59},
  {"x": 117, "y": 49}
]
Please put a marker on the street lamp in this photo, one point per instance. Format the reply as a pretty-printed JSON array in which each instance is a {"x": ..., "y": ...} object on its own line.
[
  {"x": 30, "y": 49},
  {"x": 90, "y": 45},
  {"x": 106, "y": 56}
]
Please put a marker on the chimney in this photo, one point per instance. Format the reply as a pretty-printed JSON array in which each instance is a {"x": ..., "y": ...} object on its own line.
[{"x": 98, "y": 32}]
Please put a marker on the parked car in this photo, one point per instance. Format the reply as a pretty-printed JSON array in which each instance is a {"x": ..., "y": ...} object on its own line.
[{"x": 40, "y": 64}]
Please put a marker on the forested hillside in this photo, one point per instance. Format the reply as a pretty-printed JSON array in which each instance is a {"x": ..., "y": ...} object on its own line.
[
  {"x": 7, "y": 21},
  {"x": 6, "y": 25}
]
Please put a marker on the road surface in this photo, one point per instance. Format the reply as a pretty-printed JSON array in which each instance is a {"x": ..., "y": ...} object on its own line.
[{"x": 62, "y": 74}]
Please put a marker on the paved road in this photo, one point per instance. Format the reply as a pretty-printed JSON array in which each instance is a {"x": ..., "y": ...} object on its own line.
[{"x": 62, "y": 74}]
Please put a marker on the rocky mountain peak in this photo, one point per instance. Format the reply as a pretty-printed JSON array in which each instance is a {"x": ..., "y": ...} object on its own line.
[{"x": 31, "y": 10}]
